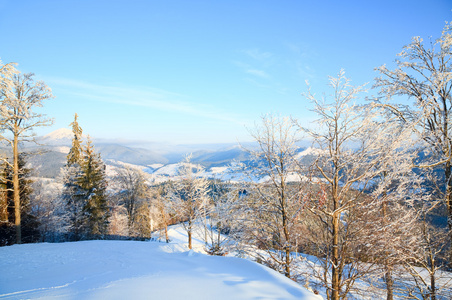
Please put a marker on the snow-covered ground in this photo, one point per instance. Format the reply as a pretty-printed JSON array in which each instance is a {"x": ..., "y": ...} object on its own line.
[{"x": 136, "y": 270}]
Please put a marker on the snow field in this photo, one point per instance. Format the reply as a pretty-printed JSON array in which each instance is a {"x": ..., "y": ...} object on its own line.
[{"x": 136, "y": 270}]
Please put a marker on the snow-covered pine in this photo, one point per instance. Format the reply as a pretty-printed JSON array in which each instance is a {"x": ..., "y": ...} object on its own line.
[
  {"x": 75, "y": 153},
  {"x": 93, "y": 184},
  {"x": 72, "y": 193},
  {"x": 73, "y": 198}
]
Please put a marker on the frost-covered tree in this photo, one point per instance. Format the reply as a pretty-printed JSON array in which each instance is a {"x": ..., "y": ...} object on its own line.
[
  {"x": 7, "y": 72},
  {"x": 3, "y": 197},
  {"x": 424, "y": 75},
  {"x": 353, "y": 153},
  {"x": 73, "y": 194},
  {"x": 74, "y": 200},
  {"x": 84, "y": 191},
  {"x": 424, "y": 259},
  {"x": 29, "y": 222},
  {"x": 75, "y": 153},
  {"x": 93, "y": 184},
  {"x": 142, "y": 220},
  {"x": 188, "y": 196},
  {"x": 387, "y": 215},
  {"x": 118, "y": 221},
  {"x": 387, "y": 219},
  {"x": 271, "y": 209},
  {"x": 49, "y": 210},
  {"x": 133, "y": 192},
  {"x": 222, "y": 199},
  {"x": 20, "y": 95},
  {"x": 162, "y": 210}
]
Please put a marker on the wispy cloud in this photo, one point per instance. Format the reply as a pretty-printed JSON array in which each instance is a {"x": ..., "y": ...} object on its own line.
[
  {"x": 258, "y": 73},
  {"x": 250, "y": 70},
  {"x": 142, "y": 97},
  {"x": 258, "y": 54}
]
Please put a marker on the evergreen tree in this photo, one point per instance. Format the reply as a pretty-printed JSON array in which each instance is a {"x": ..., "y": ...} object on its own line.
[
  {"x": 73, "y": 194},
  {"x": 74, "y": 156},
  {"x": 85, "y": 189},
  {"x": 94, "y": 186},
  {"x": 73, "y": 197},
  {"x": 28, "y": 221}
]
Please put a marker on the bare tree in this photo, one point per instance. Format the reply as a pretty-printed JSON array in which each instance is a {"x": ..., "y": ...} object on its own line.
[
  {"x": 49, "y": 210},
  {"x": 19, "y": 97},
  {"x": 188, "y": 196},
  {"x": 424, "y": 261},
  {"x": 220, "y": 213},
  {"x": 7, "y": 71},
  {"x": 132, "y": 183},
  {"x": 161, "y": 210},
  {"x": 424, "y": 74},
  {"x": 271, "y": 207},
  {"x": 353, "y": 152}
]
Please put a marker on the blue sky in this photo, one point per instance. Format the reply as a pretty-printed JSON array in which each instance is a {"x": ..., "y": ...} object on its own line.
[{"x": 201, "y": 71}]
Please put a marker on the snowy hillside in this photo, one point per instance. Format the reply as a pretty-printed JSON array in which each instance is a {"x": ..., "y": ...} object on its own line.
[
  {"x": 171, "y": 172},
  {"x": 136, "y": 270}
]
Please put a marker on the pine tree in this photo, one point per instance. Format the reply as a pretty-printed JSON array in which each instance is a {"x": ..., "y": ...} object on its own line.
[
  {"x": 28, "y": 221},
  {"x": 73, "y": 198},
  {"x": 74, "y": 155},
  {"x": 94, "y": 186},
  {"x": 72, "y": 192}
]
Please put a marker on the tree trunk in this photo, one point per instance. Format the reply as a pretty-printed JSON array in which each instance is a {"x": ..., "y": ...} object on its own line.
[
  {"x": 166, "y": 233},
  {"x": 218, "y": 234},
  {"x": 189, "y": 234},
  {"x": 335, "y": 259},
  {"x": 448, "y": 174},
  {"x": 17, "y": 208},
  {"x": 389, "y": 283},
  {"x": 286, "y": 236},
  {"x": 3, "y": 205},
  {"x": 432, "y": 286}
]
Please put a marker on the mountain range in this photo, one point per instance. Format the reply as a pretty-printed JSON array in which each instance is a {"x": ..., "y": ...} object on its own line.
[
  {"x": 51, "y": 155},
  {"x": 161, "y": 161}
]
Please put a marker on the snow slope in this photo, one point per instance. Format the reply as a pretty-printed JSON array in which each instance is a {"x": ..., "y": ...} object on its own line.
[{"x": 135, "y": 270}]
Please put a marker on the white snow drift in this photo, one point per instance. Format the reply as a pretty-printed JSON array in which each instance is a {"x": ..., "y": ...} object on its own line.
[{"x": 135, "y": 270}]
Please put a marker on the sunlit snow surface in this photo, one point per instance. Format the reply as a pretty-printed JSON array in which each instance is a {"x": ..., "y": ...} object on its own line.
[{"x": 135, "y": 270}]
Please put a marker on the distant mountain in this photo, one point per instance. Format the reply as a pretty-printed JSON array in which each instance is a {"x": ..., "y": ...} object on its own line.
[
  {"x": 159, "y": 160},
  {"x": 50, "y": 157},
  {"x": 220, "y": 158},
  {"x": 47, "y": 163},
  {"x": 136, "y": 156},
  {"x": 62, "y": 136}
]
